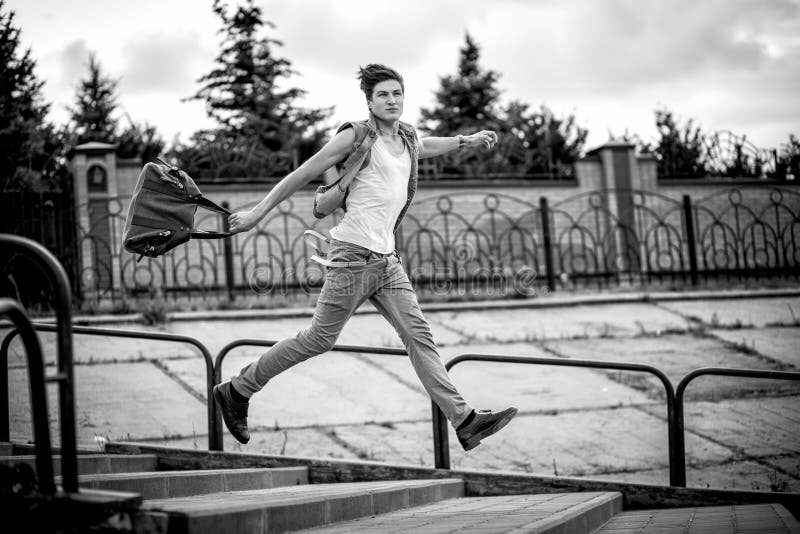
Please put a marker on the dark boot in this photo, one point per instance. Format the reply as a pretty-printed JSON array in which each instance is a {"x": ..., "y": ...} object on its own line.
[{"x": 233, "y": 413}]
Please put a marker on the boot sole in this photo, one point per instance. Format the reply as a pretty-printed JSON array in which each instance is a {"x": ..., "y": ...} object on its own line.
[
  {"x": 475, "y": 440},
  {"x": 218, "y": 398}
]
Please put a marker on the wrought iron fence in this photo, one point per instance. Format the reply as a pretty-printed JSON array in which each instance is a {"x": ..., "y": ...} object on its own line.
[{"x": 487, "y": 243}]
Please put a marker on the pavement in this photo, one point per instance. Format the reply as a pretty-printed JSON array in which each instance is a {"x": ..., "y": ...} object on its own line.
[{"x": 740, "y": 433}]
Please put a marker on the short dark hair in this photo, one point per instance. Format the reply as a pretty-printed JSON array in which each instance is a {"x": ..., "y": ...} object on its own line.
[{"x": 373, "y": 74}]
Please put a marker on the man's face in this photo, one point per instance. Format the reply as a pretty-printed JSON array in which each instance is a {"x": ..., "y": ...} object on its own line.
[{"x": 387, "y": 100}]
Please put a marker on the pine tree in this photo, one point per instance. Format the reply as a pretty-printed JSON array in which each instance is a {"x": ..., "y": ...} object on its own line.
[
  {"x": 464, "y": 101},
  {"x": 260, "y": 128},
  {"x": 95, "y": 103},
  {"x": 26, "y": 139}
]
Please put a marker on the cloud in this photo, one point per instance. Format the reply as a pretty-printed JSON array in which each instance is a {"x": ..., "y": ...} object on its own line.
[
  {"x": 162, "y": 63},
  {"x": 73, "y": 59}
]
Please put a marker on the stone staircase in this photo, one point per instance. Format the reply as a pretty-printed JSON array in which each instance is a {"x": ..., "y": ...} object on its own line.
[{"x": 172, "y": 496}]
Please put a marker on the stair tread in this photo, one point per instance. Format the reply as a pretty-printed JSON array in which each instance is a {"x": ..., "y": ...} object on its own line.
[
  {"x": 189, "y": 472},
  {"x": 286, "y": 495},
  {"x": 743, "y": 519},
  {"x": 508, "y": 513}
]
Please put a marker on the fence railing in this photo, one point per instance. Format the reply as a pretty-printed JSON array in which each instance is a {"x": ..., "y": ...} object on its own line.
[{"x": 488, "y": 243}]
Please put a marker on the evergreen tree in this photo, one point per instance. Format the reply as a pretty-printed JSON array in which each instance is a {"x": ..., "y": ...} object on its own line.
[
  {"x": 530, "y": 143},
  {"x": 95, "y": 103},
  {"x": 139, "y": 141},
  {"x": 464, "y": 101},
  {"x": 679, "y": 150},
  {"x": 27, "y": 141},
  {"x": 261, "y": 129}
]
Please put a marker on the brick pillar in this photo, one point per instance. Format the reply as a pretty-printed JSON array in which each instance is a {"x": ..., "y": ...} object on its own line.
[
  {"x": 94, "y": 173},
  {"x": 620, "y": 176}
]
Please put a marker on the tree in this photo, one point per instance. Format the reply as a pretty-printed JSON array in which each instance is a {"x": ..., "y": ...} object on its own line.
[
  {"x": 95, "y": 103},
  {"x": 464, "y": 101},
  {"x": 139, "y": 141},
  {"x": 679, "y": 151},
  {"x": 537, "y": 142},
  {"x": 530, "y": 142},
  {"x": 27, "y": 140},
  {"x": 260, "y": 128}
]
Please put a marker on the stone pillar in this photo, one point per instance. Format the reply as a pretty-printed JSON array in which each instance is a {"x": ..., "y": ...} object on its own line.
[
  {"x": 94, "y": 173},
  {"x": 620, "y": 177}
]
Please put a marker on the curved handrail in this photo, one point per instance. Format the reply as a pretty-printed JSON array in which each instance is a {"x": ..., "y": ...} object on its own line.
[
  {"x": 41, "y": 423},
  {"x": 213, "y": 445},
  {"x": 269, "y": 343},
  {"x": 440, "y": 436},
  {"x": 62, "y": 305},
  {"x": 680, "y": 444}
]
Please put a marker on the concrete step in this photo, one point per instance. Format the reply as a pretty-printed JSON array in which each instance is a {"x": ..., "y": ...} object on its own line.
[
  {"x": 742, "y": 519},
  {"x": 554, "y": 513},
  {"x": 91, "y": 464},
  {"x": 169, "y": 484},
  {"x": 296, "y": 507},
  {"x": 6, "y": 448}
]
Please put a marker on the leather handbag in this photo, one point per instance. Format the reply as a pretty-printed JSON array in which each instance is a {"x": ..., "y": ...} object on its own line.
[{"x": 161, "y": 213}]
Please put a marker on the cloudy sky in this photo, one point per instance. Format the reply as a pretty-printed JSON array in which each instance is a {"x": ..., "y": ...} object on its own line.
[{"x": 728, "y": 64}]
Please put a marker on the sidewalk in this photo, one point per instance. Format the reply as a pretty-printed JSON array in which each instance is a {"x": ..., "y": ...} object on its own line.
[{"x": 574, "y": 422}]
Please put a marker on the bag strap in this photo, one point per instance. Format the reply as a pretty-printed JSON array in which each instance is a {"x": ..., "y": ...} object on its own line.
[
  {"x": 210, "y": 205},
  {"x": 206, "y": 234}
]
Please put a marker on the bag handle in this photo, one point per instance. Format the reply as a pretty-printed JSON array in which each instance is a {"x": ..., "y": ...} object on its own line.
[
  {"x": 207, "y": 234},
  {"x": 210, "y": 205}
]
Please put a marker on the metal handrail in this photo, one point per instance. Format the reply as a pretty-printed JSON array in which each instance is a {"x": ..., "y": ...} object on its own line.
[
  {"x": 213, "y": 445},
  {"x": 389, "y": 351},
  {"x": 65, "y": 378},
  {"x": 41, "y": 423},
  {"x": 680, "y": 444},
  {"x": 441, "y": 444}
]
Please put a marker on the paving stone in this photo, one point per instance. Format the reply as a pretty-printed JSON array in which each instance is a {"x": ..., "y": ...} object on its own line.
[
  {"x": 530, "y": 324},
  {"x": 676, "y": 356},
  {"x": 115, "y": 401},
  {"x": 770, "y": 426},
  {"x": 780, "y": 344},
  {"x": 740, "y": 312},
  {"x": 573, "y": 443},
  {"x": 305, "y": 442},
  {"x": 733, "y": 475}
]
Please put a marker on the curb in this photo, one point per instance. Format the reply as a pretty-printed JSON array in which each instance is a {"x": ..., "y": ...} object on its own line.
[{"x": 551, "y": 301}]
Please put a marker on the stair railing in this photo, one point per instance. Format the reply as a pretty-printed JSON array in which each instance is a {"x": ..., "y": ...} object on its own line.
[{"x": 65, "y": 376}]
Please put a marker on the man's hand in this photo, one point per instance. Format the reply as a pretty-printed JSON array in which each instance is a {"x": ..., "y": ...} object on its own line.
[
  {"x": 242, "y": 221},
  {"x": 484, "y": 138}
]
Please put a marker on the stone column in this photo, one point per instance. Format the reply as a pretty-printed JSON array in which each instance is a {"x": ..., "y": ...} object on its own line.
[
  {"x": 619, "y": 178},
  {"x": 94, "y": 174}
]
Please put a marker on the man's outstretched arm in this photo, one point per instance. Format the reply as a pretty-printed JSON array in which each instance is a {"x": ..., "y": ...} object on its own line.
[
  {"x": 332, "y": 153},
  {"x": 436, "y": 146}
]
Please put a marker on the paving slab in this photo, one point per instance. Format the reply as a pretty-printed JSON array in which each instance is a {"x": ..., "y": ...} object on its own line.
[
  {"x": 332, "y": 388},
  {"x": 760, "y": 475},
  {"x": 528, "y": 387},
  {"x": 739, "y": 312},
  {"x": 676, "y": 355},
  {"x": 118, "y": 401},
  {"x": 558, "y": 323},
  {"x": 753, "y": 427},
  {"x": 304, "y": 442},
  {"x": 571, "y": 443},
  {"x": 781, "y": 344}
]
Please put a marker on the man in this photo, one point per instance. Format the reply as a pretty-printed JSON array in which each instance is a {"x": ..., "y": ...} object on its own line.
[{"x": 366, "y": 264}]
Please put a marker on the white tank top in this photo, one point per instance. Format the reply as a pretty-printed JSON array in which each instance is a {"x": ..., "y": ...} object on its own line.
[{"x": 377, "y": 195}]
